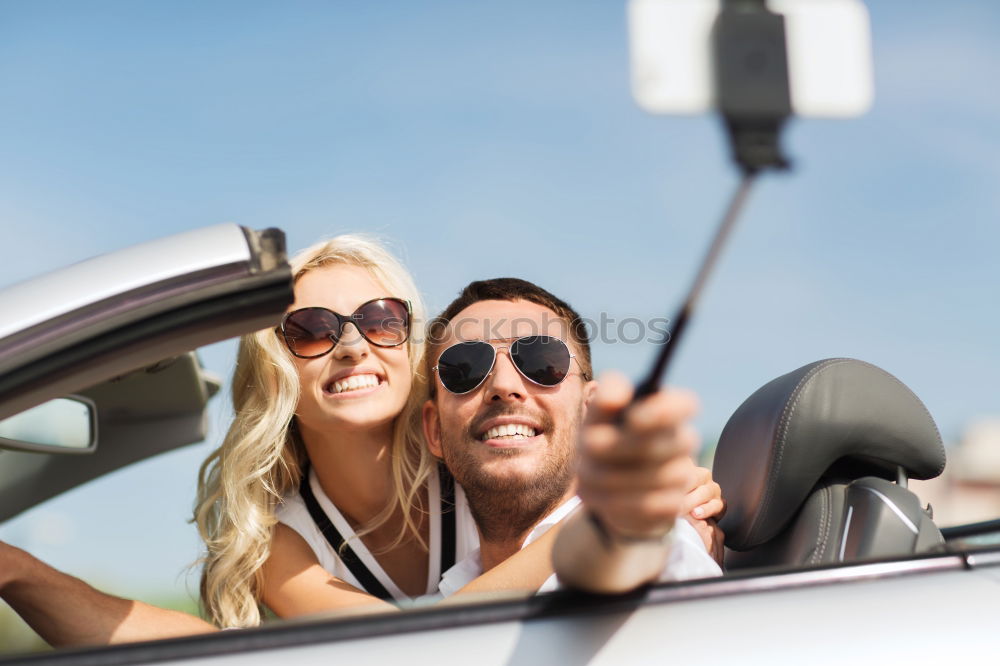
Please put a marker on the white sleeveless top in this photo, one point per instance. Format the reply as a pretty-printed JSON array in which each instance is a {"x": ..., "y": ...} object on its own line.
[{"x": 293, "y": 512}]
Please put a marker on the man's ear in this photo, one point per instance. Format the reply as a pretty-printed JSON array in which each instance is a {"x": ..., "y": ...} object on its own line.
[
  {"x": 432, "y": 429},
  {"x": 589, "y": 391}
]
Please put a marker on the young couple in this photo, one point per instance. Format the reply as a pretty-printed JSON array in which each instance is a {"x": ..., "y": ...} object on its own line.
[{"x": 329, "y": 490}]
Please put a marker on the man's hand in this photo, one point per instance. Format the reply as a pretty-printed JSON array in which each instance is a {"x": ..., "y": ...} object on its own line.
[
  {"x": 703, "y": 507},
  {"x": 634, "y": 477},
  {"x": 635, "y": 466},
  {"x": 704, "y": 498}
]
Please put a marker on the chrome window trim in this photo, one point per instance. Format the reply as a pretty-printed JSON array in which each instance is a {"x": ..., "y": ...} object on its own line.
[
  {"x": 161, "y": 316},
  {"x": 981, "y": 559},
  {"x": 72, "y": 288},
  {"x": 98, "y": 317}
]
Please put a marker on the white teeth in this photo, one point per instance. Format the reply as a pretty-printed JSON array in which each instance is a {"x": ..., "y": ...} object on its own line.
[
  {"x": 354, "y": 382},
  {"x": 511, "y": 430}
]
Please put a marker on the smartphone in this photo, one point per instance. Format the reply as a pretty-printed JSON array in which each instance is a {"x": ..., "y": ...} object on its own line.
[{"x": 828, "y": 43}]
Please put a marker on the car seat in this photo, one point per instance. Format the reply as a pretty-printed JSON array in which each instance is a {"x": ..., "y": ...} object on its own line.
[{"x": 814, "y": 467}]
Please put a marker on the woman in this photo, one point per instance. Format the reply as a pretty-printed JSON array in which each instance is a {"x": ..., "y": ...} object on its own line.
[{"x": 347, "y": 409}]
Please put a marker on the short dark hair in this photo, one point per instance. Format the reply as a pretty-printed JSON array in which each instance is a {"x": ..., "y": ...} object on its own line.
[{"x": 511, "y": 289}]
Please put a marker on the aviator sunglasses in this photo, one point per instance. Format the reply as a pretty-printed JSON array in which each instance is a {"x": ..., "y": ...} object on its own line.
[
  {"x": 313, "y": 332},
  {"x": 541, "y": 359}
]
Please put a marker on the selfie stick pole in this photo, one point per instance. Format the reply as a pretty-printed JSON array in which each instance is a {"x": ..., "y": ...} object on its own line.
[
  {"x": 752, "y": 92},
  {"x": 652, "y": 381}
]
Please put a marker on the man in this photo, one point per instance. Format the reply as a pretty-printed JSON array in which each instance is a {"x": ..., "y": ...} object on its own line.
[
  {"x": 511, "y": 442},
  {"x": 509, "y": 401}
]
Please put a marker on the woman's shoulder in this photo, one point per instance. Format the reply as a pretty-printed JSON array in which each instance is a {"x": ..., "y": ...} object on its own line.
[
  {"x": 292, "y": 512},
  {"x": 291, "y": 508}
]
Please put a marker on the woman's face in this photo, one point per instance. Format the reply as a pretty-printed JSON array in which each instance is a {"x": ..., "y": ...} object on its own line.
[{"x": 357, "y": 386}]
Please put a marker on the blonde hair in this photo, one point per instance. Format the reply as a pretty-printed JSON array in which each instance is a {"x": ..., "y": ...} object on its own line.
[{"x": 261, "y": 458}]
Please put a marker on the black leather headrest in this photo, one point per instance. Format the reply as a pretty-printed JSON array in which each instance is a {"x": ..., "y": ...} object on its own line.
[{"x": 823, "y": 419}]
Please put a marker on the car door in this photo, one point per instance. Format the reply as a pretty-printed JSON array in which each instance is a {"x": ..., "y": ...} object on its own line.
[{"x": 118, "y": 330}]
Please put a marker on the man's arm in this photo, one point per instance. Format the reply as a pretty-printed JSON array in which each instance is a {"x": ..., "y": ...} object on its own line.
[
  {"x": 633, "y": 477},
  {"x": 64, "y": 610},
  {"x": 529, "y": 568}
]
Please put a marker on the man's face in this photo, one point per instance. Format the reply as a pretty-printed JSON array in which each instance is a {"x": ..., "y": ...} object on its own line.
[{"x": 463, "y": 429}]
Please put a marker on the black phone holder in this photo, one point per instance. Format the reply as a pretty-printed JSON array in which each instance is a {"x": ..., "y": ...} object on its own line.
[
  {"x": 754, "y": 99},
  {"x": 751, "y": 82}
]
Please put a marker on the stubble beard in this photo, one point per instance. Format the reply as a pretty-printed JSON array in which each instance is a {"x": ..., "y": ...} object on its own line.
[{"x": 507, "y": 506}]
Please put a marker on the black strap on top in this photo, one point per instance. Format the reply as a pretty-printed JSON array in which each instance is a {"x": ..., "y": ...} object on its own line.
[
  {"x": 336, "y": 540},
  {"x": 351, "y": 559},
  {"x": 447, "y": 487}
]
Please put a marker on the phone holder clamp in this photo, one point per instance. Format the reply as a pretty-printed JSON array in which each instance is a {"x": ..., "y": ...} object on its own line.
[{"x": 751, "y": 82}]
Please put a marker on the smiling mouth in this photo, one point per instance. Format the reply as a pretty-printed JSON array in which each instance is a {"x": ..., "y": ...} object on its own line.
[
  {"x": 353, "y": 383},
  {"x": 510, "y": 431}
]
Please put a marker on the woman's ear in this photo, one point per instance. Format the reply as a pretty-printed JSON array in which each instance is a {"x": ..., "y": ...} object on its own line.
[{"x": 432, "y": 428}]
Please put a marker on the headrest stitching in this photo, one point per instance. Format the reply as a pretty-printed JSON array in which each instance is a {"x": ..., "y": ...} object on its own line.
[{"x": 786, "y": 418}]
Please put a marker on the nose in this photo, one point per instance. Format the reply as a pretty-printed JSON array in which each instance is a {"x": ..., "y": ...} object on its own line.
[
  {"x": 351, "y": 346},
  {"x": 505, "y": 383}
]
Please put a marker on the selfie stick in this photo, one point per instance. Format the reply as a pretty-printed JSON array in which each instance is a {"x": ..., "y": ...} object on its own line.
[
  {"x": 652, "y": 381},
  {"x": 752, "y": 93}
]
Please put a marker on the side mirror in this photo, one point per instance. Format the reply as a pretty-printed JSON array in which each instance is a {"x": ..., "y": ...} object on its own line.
[{"x": 61, "y": 425}]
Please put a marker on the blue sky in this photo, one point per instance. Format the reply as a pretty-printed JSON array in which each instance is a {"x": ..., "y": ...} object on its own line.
[{"x": 500, "y": 138}]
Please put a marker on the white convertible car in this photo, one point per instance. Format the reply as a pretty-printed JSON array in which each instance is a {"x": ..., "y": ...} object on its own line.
[{"x": 832, "y": 559}]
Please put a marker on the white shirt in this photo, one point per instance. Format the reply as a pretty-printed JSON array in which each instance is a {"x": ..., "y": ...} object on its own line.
[
  {"x": 293, "y": 513},
  {"x": 688, "y": 557}
]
